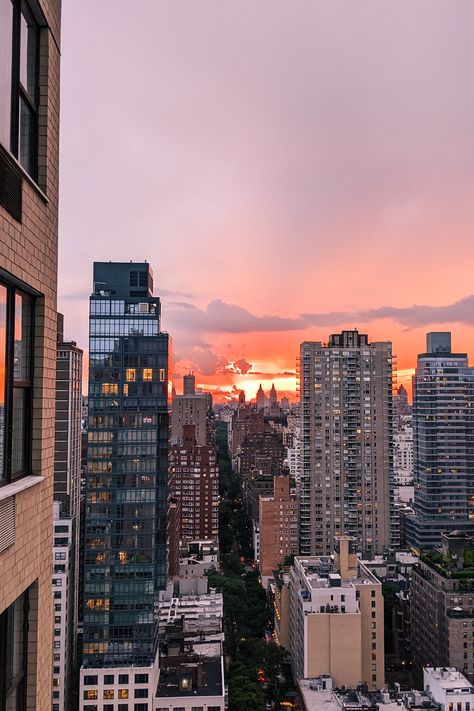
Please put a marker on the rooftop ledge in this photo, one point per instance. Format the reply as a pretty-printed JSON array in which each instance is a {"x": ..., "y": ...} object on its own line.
[{"x": 15, "y": 487}]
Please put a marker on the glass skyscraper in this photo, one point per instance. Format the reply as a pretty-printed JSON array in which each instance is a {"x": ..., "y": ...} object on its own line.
[
  {"x": 125, "y": 560},
  {"x": 443, "y": 444}
]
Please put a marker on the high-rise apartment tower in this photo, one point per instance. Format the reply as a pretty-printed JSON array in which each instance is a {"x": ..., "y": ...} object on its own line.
[
  {"x": 346, "y": 443},
  {"x": 443, "y": 444},
  {"x": 66, "y": 523},
  {"x": 127, "y": 468}
]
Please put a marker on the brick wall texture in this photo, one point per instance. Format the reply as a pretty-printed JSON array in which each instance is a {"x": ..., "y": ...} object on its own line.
[{"x": 29, "y": 252}]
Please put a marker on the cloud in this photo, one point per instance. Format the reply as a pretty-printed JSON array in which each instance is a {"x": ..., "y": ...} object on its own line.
[
  {"x": 221, "y": 317},
  {"x": 461, "y": 311},
  {"x": 242, "y": 366}
]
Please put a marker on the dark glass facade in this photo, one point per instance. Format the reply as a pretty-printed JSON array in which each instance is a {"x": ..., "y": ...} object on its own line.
[
  {"x": 127, "y": 467},
  {"x": 443, "y": 447}
]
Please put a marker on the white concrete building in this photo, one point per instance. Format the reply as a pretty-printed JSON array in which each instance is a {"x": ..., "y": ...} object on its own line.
[
  {"x": 449, "y": 688},
  {"x": 63, "y": 601},
  {"x": 403, "y": 451},
  {"x": 115, "y": 688},
  {"x": 200, "y": 612}
]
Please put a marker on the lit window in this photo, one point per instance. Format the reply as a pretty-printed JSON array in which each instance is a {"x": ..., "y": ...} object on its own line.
[
  {"x": 147, "y": 373},
  {"x": 130, "y": 375},
  {"x": 16, "y": 311},
  {"x": 91, "y": 694},
  {"x": 109, "y": 389},
  {"x": 123, "y": 694},
  {"x": 162, "y": 375},
  {"x": 108, "y": 694}
]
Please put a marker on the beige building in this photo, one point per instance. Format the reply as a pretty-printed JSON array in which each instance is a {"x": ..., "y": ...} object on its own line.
[
  {"x": 189, "y": 410},
  {"x": 346, "y": 447},
  {"x": 29, "y": 124},
  {"x": 336, "y": 619},
  {"x": 278, "y": 526}
]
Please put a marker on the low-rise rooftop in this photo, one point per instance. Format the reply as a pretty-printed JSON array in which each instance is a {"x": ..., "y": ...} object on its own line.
[{"x": 184, "y": 678}]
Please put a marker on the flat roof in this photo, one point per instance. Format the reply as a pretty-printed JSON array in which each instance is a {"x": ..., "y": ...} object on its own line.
[{"x": 212, "y": 682}]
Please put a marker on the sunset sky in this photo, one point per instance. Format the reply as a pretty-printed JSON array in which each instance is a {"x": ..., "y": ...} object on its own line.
[{"x": 289, "y": 168}]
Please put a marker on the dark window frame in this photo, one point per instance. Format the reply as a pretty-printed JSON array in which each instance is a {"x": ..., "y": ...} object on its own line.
[
  {"x": 10, "y": 384},
  {"x": 20, "y": 93},
  {"x": 20, "y": 686}
]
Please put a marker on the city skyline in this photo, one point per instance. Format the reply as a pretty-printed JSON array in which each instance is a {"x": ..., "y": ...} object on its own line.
[{"x": 317, "y": 189}]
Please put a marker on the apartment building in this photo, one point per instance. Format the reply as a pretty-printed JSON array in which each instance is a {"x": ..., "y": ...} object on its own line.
[
  {"x": 337, "y": 619},
  {"x": 126, "y": 507},
  {"x": 278, "y": 526},
  {"x": 443, "y": 432},
  {"x": 29, "y": 85},
  {"x": 191, "y": 408},
  {"x": 442, "y": 607},
  {"x": 66, "y": 539},
  {"x": 194, "y": 482},
  {"x": 346, "y": 444}
]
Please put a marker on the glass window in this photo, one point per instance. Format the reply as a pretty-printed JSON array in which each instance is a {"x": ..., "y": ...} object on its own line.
[
  {"x": 147, "y": 373},
  {"x": 13, "y": 657},
  {"x": 3, "y": 345},
  {"x": 6, "y": 33},
  {"x": 91, "y": 680},
  {"x": 141, "y": 678},
  {"x": 18, "y": 81},
  {"x": 123, "y": 679},
  {"x": 123, "y": 694},
  {"x": 16, "y": 312}
]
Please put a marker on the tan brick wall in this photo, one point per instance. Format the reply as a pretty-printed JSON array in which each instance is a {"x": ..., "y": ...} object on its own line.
[
  {"x": 365, "y": 601},
  {"x": 334, "y": 647},
  {"x": 29, "y": 252}
]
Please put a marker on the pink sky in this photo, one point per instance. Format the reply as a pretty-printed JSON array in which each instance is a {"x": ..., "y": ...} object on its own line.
[{"x": 289, "y": 169}]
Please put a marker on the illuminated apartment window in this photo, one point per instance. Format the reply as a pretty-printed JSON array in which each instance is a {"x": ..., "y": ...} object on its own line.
[
  {"x": 123, "y": 694},
  {"x": 16, "y": 338},
  {"x": 90, "y": 694},
  {"x": 130, "y": 375},
  {"x": 108, "y": 694},
  {"x": 162, "y": 375},
  {"x": 109, "y": 389},
  {"x": 147, "y": 373}
]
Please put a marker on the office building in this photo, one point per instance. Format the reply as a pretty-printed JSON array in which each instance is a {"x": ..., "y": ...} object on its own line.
[
  {"x": 442, "y": 603},
  {"x": 443, "y": 452},
  {"x": 194, "y": 482},
  {"x": 346, "y": 443},
  {"x": 278, "y": 526},
  {"x": 29, "y": 86},
  {"x": 127, "y": 479},
  {"x": 66, "y": 534},
  {"x": 336, "y": 619}
]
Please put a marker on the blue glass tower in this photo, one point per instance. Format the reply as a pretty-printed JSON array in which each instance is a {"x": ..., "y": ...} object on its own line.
[{"x": 125, "y": 562}]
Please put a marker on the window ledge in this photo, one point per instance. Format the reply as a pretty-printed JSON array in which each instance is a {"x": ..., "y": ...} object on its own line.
[{"x": 15, "y": 487}]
